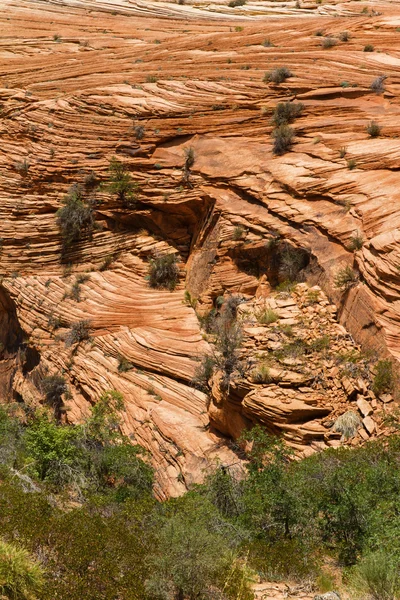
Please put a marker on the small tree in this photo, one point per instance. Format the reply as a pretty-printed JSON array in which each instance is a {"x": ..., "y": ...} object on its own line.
[
  {"x": 345, "y": 278},
  {"x": 122, "y": 184}
]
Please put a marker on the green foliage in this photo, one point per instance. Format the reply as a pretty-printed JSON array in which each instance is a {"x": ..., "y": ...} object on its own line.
[
  {"x": 21, "y": 576},
  {"x": 287, "y": 112},
  {"x": 75, "y": 217},
  {"x": 345, "y": 278},
  {"x": 203, "y": 373},
  {"x": 376, "y": 577},
  {"x": 164, "y": 271},
  {"x": 384, "y": 377},
  {"x": 121, "y": 184},
  {"x": 267, "y": 316},
  {"x": 283, "y": 139}
]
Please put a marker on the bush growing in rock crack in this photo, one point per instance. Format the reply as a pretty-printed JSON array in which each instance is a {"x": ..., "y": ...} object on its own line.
[
  {"x": 122, "y": 185},
  {"x": 163, "y": 271},
  {"x": 75, "y": 217},
  {"x": 287, "y": 112},
  {"x": 283, "y": 137},
  {"x": 78, "y": 332},
  {"x": 278, "y": 75}
]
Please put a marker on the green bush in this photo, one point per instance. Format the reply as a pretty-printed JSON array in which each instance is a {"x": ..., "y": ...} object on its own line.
[
  {"x": 345, "y": 278},
  {"x": 21, "y": 576},
  {"x": 384, "y": 377},
  {"x": 121, "y": 184},
  {"x": 376, "y": 577},
  {"x": 75, "y": 217}
]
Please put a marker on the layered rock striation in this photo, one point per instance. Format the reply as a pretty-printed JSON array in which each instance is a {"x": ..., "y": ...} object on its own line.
[{"x": 83, "y": 81}]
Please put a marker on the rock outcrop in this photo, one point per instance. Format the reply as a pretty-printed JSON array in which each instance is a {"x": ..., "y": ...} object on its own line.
[{"x": 83, "y": 81}]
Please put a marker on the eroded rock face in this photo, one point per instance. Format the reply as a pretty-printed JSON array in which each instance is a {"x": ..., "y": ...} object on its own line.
[{"x": 83, "y": 81}]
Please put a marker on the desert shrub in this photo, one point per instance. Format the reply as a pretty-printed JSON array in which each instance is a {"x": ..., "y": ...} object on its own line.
[
  {"x": 347, "y": 424},
  {"x": 291, "y": 262},
  {"x": 123, "y": 364},
  {"x": 121, "y": 184},
  {"x": 278, "y": 75},
  {"x": 267, "y": 43},
  {"x": 234, "y": 3},
  {"x": 91, "y": 180},
  {"x": 267, "y": 316},
  {"x": 283, "y": 139},
  {"x": 287, "y": 112},
  {"x": 21, "y": 576},
  {"x": 373, "y": 129},
  {"x": 368, "y": 48},
  {"x": 54, "y": 386},
  {"x": 328, "y": 42},
  {"x": 22, "y": 167},
  {"x": 54, "y": 321},
  {"x": 261, "y": 374},
  {"x": 78, "y": 332},
  {"x": 320, "y": 344},
  {"x": 189, "y": 157},
  {"x": 384, "y": 377},
  {"x": 344, "y": 36},
  {"x": 203, "y": 373},
  {"x": 378, "y": 84},
  {"x": 163, "y": 271},
  {"x": 139, "y": 131},
  {"x": 151, "y": 79},
  {"x": 228, "y": 338},
  {"x": 75, "y": 291},
  {"x": 342, "y": 151},
  {"x": 239, "y": 233},
  {"x": 351, "y": 164},
  {"x": 75, "y": 217},
  {"x": 193, "y": 558},
  {"x": 231, "y": 304},
  {"x": 345, "y": 278},
  {"x": 376, "y": 577},
  {"x": 356, "y": 242}
]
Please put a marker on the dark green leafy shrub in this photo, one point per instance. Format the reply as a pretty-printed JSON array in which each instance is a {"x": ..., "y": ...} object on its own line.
[{"x": 164, "y": 271}]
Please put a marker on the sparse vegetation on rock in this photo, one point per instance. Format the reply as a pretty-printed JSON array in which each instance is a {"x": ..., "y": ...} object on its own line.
[
  {"x": 164, "y": 271},
  {"x": 75, "y": 218},
  {"x": 121, "y": 184},
  {"x": 278, "y": 75}
]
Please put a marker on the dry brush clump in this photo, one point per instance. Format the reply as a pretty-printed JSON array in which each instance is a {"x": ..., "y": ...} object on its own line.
[
  {"x": 163, "y": 271},
  {"x": 76, "y": 216},
  {"x": 278, "y": 75}
]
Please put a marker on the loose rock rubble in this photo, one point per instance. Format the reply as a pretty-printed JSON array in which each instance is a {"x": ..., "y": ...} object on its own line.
[{"x": 312, "y": 369}]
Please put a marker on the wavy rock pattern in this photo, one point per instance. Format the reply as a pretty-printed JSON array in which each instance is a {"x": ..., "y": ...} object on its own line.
[{"x": 77, "y": 77}]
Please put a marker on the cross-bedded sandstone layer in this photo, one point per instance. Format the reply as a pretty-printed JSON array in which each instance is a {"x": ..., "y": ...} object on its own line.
[{"x": 78, "y": 80}]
